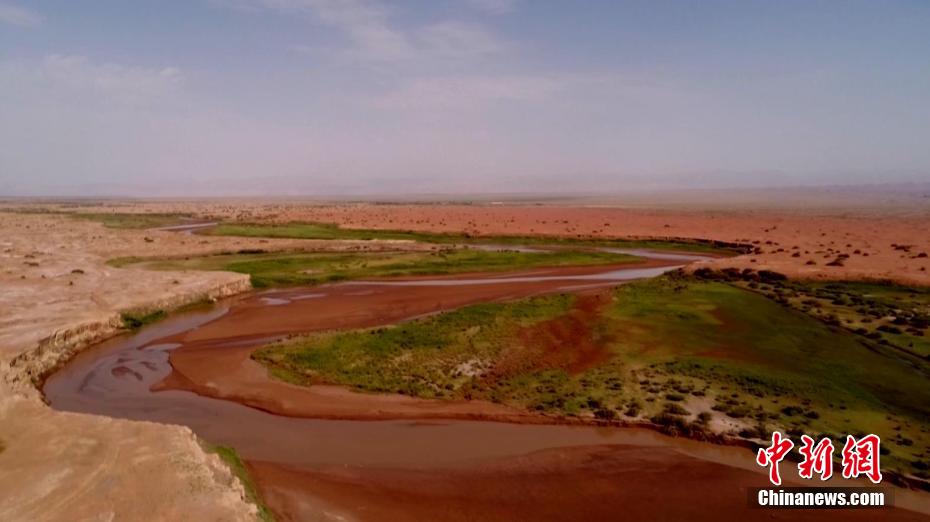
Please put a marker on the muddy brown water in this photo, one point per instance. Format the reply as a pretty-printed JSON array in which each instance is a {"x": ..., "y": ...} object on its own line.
[{"x": 405, "y": 461}]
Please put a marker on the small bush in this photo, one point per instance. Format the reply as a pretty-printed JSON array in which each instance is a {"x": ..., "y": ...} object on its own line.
[
  {"x": 674, "y": 409},
  {"x": 134, "y": 321},
  {"x": 769, "y": 276}
]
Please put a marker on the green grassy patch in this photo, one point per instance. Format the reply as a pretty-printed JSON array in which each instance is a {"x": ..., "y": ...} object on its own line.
[
  {"x": 683, "y": 352},
  {"x": 887, "y": 313},
  {"x": 306, "y": 231},
  {"x": 231, "y": 458},
  {"x": 291, "y": 268},
  {"x": 434, "y": 357},
  {"x": 768, "y": 365},
  {"x": 890, "y": 314},
  {"x": 331, "y": 231},
  {"x": 136, "y": 320}
]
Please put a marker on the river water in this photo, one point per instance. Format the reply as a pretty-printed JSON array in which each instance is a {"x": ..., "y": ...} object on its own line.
[{"x": 310, "y": 468}]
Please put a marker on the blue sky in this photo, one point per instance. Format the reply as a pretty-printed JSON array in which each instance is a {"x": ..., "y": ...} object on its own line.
[{"x": 201, "y": 97}]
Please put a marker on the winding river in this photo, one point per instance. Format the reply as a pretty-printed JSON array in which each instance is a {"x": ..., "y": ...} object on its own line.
[{"x": 325, "y": 453}]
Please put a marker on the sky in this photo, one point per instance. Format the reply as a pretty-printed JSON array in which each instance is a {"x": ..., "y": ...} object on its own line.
[{"x": 356, "y": 97}]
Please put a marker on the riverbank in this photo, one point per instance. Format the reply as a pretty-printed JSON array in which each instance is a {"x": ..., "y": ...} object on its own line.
[
  {"x": 696, "y": 358},
  {"x": 273, "y": 423},
  {"x": 58, "y": 298}
]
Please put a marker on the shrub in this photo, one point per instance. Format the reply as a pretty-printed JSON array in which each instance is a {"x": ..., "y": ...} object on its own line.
[
  {"x": 674, "y": 409},
  {"x": 769, "y": 276}
]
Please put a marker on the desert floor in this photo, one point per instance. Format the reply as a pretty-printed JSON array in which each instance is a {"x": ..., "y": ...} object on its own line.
[{"x": 881, "y": 239}]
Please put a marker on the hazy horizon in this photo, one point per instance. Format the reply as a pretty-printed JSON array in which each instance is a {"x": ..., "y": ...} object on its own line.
[{"x": 356, "y": 97}]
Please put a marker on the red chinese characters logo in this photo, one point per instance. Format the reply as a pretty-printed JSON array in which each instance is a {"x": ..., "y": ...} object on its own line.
[
  {"x": 860, "y": 457},
  {"x": 773, "y": 455},
  {"x": 817, "y": 458}
]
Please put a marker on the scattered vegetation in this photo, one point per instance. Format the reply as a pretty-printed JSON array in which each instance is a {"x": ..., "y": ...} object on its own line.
[
  {"x": 692, "y": 355},
  {"x": 435, "y": 357},
  {"x": 889, "y": 314},
  {"x": 231, "y": 458},
  {"x": 331, "y": 231},
  {"x": 136, "y": 221},
  {"x": 300, "y": 268}
]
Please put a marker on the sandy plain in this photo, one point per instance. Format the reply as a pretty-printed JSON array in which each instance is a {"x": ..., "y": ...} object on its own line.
[{"x": 873, "y": 238}]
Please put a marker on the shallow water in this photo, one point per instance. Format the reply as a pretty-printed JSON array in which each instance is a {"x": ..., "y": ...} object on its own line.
[
  {"x": 622, "y": 274},
  {"x": 187, "y": 228}
]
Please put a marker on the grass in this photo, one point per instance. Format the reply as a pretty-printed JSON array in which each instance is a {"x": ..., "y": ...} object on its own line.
[
  {"x": 890, "y": 314},
  {"x": 682, "y": 352},
  {"x": 299, "y": 268},
  {"x": 893, "y": 315},
  {"x": 136, "y": 320},
  {"x": 231, "y": 458},
  {"x": 331, "y": 231},
  {"x": 432, "y": 357}
]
